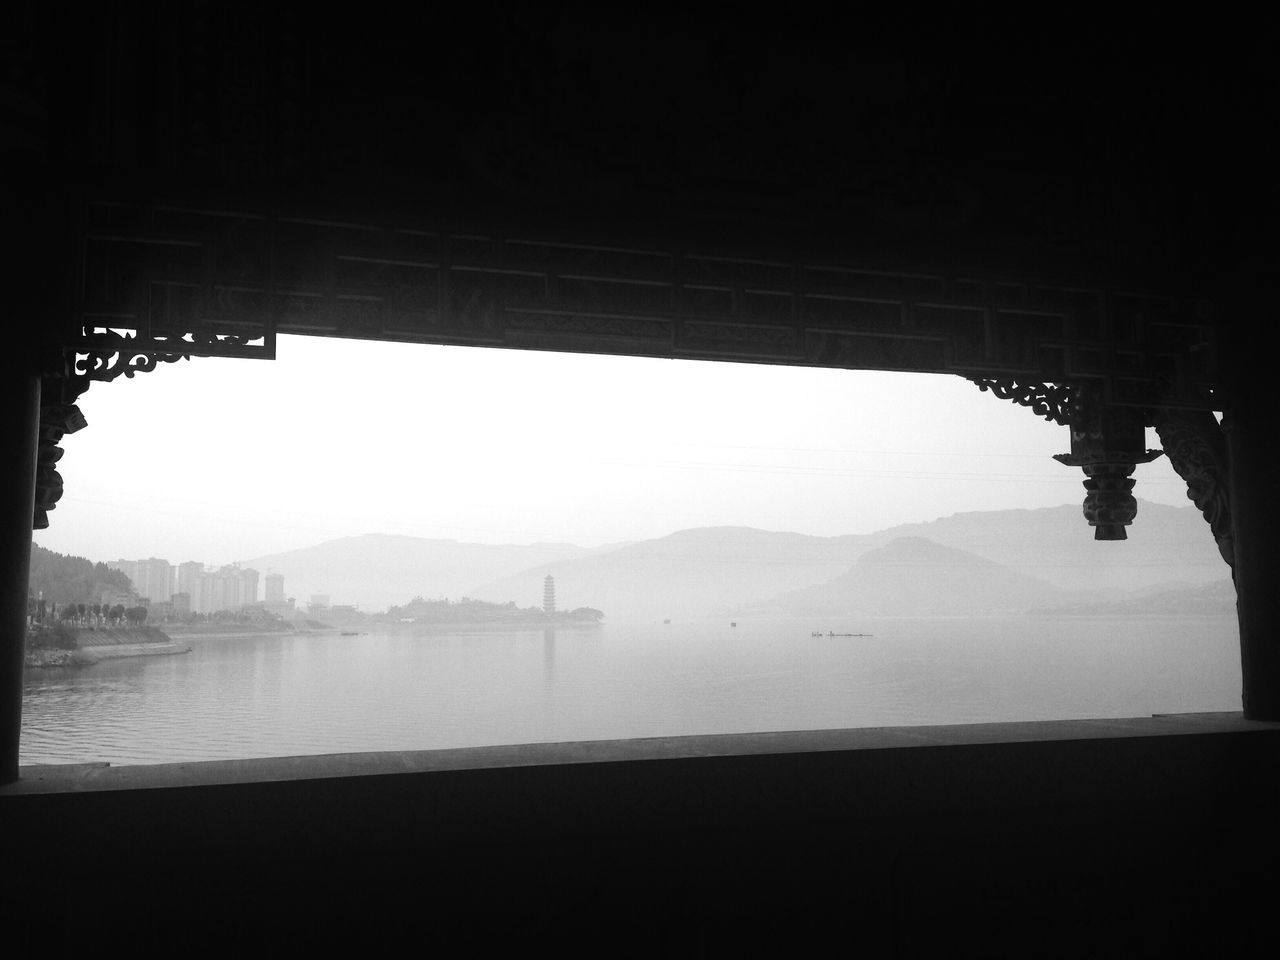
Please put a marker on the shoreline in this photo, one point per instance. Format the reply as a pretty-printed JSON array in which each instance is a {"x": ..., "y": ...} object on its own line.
[
  {"x": 115, "y": 651},
  {"x": 479, "y": 626},
  {"x": 174, "y": 641},
  {"x": 88, "y": 656},
  {"x": 246, "y": 634},
  {"x": 93, "y": 645}
]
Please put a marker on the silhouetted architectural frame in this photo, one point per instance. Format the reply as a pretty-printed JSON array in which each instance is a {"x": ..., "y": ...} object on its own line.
[
  {"x": 195, "y": 180},
  {"x": 204, "y": 204}
]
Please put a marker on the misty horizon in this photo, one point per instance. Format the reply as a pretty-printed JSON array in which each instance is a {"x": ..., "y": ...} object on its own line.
[
  {"x": 733, "y": 568},
  {"x": 601, "y": 545}
]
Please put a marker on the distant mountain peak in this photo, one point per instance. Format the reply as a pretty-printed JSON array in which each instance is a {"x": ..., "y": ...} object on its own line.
[
  {"x": 921, "y": 551},
  {"x": 708, "y": 570},
  {"x": 915, "y": 576}
]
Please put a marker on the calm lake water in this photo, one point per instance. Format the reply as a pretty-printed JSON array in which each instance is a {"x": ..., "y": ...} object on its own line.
[{"x": 406, "y": 690}]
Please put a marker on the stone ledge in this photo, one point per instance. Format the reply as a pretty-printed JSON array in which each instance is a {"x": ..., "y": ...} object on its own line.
[{"x": 95, "y": 777}]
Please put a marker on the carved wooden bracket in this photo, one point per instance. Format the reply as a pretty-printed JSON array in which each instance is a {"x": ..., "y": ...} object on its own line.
[
  {"x": 59, "y": 416},
  {"x": 1197, "y": 449}
]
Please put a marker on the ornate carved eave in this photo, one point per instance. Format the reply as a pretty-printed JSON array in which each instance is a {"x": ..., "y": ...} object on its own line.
[
  {"x": 1048, "y": 400},
  {"x": 148, "y": 293},
  {"x": 1107, "y": 443},
  {"x": 104, "y": 363}
]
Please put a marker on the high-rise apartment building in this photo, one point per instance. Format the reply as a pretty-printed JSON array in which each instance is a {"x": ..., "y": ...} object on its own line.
[
  {"x": 228, "y": 588},
  {"x": 248, "y": 586},
  {"x": 225, "y": 587},
  {"x": 152, "y": 578},
  {"x": 275, "y": 587},
  {"x": 189, "y": 575}
]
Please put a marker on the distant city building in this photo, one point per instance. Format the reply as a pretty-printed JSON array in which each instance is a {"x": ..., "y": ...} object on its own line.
[
  {"x": 181, "y": 605},
  {"x": 206, "y": 591},
  {"x": 189, "y": 577},
  {"x": 549, "y": 594},
  {"x": 319, "y": 600},
  {"x": 275, "y": 587},
  {"x": 152, "y": 578},
  {"x": 248, "y": 586},
  {"x": 155, "y": 579},
  {"x": 225, "y": 593},
  {"x": 202, "y": 598}
]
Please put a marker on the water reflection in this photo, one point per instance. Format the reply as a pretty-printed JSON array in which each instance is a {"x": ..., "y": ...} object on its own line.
[
  {"x": 407, "y": 690},
  {"x": 549, "y": 650}
]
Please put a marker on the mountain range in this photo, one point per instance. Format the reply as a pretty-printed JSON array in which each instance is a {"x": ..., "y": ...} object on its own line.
[
  {"x": 926, "y": 578},
  {"x": 978, "y": 561}
]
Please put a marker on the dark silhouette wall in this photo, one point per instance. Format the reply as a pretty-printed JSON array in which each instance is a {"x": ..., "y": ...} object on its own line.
[{"x": 1119, "y": 151}]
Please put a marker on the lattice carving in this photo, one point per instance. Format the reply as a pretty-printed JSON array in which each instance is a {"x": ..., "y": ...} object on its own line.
[
  {"x": 179, "y": 281},
  {"x": 107, "y": 354},
  {"x": 737, "y": 339},
  {"x": 1054, "y": 402},
  {"x": 106, "y": 365},
  {"x": 603, "y": 327},
  {"x": 165, "y": 270}
]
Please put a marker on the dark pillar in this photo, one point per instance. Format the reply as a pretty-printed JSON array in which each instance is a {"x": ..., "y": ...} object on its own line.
[
  {"x": 1255, "y": 523},
  {"x": 19, "y": 430}
]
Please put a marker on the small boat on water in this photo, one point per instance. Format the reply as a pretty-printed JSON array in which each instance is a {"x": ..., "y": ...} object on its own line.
[
  {"x": 817, "y": 633},
  {"x": 348, "y": 633}
]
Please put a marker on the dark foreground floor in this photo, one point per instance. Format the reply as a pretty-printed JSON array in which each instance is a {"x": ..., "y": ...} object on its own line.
[{"x": 1144, "y": 837}]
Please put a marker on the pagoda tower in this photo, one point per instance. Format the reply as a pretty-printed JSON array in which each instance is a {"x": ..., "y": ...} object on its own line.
[{"x": 549, "y": 594}]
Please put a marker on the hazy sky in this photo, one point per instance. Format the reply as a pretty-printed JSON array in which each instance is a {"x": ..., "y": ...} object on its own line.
[{"x": 222, "y": 460}]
